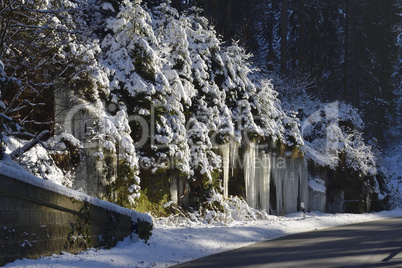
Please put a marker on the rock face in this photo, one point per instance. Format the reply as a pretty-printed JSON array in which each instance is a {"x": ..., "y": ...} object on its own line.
[{"x": 279, "y": 184}]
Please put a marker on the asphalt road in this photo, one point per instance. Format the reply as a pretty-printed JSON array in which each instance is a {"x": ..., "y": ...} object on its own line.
[{"x": 368, "y": 244}]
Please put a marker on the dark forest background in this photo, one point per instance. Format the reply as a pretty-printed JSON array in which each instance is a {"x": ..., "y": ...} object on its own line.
[{"x": 349, "y": 50}]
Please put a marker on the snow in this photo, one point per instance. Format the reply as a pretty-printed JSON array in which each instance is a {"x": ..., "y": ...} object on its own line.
[
  {"x": 170, "y": 245},
  {"x": 38, "y": 162},
  {"x": 317, "y": 185},
  {"x": 182, "y": 65},
  {"x": 108, "y": 6}
]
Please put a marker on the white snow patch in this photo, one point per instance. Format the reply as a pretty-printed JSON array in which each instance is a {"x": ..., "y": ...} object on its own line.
[
  {"x": 317, "y": 185},
  {"x": 108, "y": 6}
]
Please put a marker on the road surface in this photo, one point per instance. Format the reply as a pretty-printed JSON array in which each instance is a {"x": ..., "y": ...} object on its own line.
[{"x": 368, "y": 244}]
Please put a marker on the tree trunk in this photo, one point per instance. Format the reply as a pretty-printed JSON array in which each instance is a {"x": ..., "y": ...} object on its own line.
[
  {"x": 270, "y": 37},
  {"x": 177, "y": 4},
  {"x": 284, "y": 35},
  {"x": 346, "y": 92},
  {"x": 302, "y": 33},
  {"x": 353, "y": 56}
]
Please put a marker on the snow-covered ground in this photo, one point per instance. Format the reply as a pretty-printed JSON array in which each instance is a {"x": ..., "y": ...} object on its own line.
[{"x": 171, "y": 245}]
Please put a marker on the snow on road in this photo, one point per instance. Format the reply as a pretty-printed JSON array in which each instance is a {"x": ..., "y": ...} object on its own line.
[{"x": 171, "y": 245}]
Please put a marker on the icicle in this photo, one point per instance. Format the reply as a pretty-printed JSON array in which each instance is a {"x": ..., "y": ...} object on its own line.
[
  {"x": 233, "y": 154},
  {"x": 257, "y": 178},
  {"x": 278, "y": 171},
  {"x": 303, "y": 182},
  {"x": 265, "y": 180},
  {"x": 291, "y": 182},
  {"x": 173, "y": 190},
  {"x": 225, "y": 166},
  {"x": 249, "y": 174},
  {"x": 246, "y": 169}
]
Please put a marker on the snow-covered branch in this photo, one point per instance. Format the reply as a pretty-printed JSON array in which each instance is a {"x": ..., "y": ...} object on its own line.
[{"x": 18, "y": 152}]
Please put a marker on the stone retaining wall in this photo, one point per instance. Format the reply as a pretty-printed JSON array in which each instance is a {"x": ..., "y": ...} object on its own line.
[{"x": 38, "y": 222}]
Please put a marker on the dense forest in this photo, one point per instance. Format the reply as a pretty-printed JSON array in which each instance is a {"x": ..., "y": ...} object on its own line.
[
  {"x": 348, "y": 49},
  {"x": 166, "y": 85}
]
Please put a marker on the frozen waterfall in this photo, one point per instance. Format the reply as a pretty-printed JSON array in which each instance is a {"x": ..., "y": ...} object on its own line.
[
  {"x": 257, "y": 175},
  {"x": 289, "y": 176}
]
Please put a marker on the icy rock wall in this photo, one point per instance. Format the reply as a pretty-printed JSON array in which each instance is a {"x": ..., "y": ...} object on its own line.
[
  {"x": 303, "y": 181},
  {"x": 290, "y": 177},
  {"x": 336, "y": 202},
  {"x": 317, "y": 201},
  {"x": 317, "y": 194}
]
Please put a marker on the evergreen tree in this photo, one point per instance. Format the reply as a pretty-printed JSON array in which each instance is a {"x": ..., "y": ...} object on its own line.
[{"x": 378, "y": 60}]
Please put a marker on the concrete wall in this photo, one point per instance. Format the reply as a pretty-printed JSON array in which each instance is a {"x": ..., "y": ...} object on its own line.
[
  {"x": 37, "y": 222},
  {"x": 91, "y": 175}
]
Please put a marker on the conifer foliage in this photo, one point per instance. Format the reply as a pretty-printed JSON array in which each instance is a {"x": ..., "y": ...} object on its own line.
[{"x": 166, "y": 92}]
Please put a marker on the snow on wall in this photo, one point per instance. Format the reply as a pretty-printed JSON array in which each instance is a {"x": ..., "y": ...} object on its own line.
[{"x": 11, "y": 169}]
